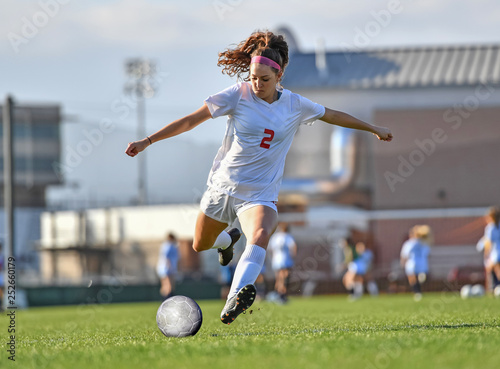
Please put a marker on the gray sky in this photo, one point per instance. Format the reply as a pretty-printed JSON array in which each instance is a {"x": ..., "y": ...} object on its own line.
[{"x": 72, "y": 53}]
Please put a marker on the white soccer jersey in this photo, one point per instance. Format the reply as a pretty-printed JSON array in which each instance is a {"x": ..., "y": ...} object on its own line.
[{"x": 249, "y": 165}]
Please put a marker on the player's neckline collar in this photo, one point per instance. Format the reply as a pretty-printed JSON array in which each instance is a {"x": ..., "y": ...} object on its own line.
[{"x": 281, "y": 93}]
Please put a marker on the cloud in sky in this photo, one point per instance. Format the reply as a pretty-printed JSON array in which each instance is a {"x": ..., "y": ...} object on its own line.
[
  {"x": 152, "y": 25},
  {"x": 74, "y": 51}
]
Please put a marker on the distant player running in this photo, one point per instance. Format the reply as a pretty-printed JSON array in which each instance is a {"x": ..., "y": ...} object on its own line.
[
  {"x": 166, "y": 267},
  {"x": 283, "y": 250},
  {"x": 414, "y": 257},
  {"x": 491, "y": 243},
  {"x": 247, "y": 172},
  {"x": 357, "y": 270}
]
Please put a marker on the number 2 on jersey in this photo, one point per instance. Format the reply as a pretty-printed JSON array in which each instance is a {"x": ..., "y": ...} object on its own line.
[{"x": 264, "y": 143}]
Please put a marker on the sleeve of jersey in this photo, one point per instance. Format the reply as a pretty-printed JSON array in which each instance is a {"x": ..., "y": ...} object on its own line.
[
  {"x": 404, "y": 250},
  {"x": 224, "y": 102},
  {"x": 310, "y": 111},
  {"x": 480, "y": 244},
  {"x": 488, "y": 232}
]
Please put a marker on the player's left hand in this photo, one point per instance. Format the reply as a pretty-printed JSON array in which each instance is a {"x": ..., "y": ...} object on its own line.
[{"x": 383, "y": 134}]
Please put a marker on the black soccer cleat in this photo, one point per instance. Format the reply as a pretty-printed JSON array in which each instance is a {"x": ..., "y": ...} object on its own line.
[
  {"x": 226, "y": 255},
  {"x": 238, "y": 304}
]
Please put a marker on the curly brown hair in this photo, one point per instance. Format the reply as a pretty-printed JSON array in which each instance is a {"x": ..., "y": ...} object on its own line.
[{"x": 236, "y": 62}]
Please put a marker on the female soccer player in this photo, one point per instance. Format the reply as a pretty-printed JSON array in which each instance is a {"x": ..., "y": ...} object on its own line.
[
  {"x": 246, "y": 174},
  {"x": 491, "y": 241},
  {"x": 414, "y": 257},
  {"x": 166, "y": 267},
  {"x": 283, "y": 250},
  {"x": 357, "y": 271}
]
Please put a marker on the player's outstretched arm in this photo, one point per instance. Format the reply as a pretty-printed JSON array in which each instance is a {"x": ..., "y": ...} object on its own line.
[
  {"x": 172, "y": 129},
  {"x": 348, "y": 121}
]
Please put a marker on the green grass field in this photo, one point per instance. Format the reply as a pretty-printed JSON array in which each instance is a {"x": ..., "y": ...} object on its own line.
[{"x": 441, "y": 331}]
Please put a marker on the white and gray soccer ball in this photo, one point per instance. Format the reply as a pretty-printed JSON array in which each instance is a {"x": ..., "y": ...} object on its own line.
[
  {"x": 477, "y": 290},
  {"x": 179, "y": 316},
  {"x": 465, "y": 291},
  {"x": 496, "y": 291}
]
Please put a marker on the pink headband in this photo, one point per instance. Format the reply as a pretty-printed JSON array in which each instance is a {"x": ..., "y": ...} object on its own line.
[{"x": 265, "y": 61}]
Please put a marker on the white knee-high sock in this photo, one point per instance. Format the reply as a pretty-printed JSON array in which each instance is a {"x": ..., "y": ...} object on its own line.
[
  {"x": 223, "y": 241},
  {"x": 372, "y": 288},
  {"x": 248, "y": 268},
  {"x": 358, "y": 289}
]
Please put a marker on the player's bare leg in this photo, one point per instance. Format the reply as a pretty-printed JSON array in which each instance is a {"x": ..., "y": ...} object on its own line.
[
  {"x": 348, "y": 281},
  {"x": 209, "y": 234},
  {"x": 167, "y": 286},
  {"x": 281, "y": 277},
  {"x": 282, "y": 284},
  {"x": 258, "y": 224},
  {"x": 206, "y": 232},
  {"x": 496, "y": 270},
  {"x": 415, "y": 285}
]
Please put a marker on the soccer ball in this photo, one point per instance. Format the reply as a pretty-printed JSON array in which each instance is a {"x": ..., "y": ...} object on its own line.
[
  {"x": 496, "y": 292},
  {"x": 179, "y": 316},
  {"x": 465, "y": 291},
  {"x": 477, "y": 290}
]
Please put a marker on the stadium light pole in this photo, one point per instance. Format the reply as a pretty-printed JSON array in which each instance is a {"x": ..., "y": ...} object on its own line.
[
  {"x": 8, "y": 182},
  {"x": 141, "y": 73}
]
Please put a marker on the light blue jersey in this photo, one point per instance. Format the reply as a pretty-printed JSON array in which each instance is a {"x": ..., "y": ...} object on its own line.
[
  {"x": 416, "y": 254},
  {"x": 362, "y": 263},
  {"x": 167, "y": 260},
  {"x": 492, "y": 234},
  {"x": 281, "y": 245}
]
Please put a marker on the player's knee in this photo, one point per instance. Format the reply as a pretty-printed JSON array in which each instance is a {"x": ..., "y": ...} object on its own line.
[
  {"x": 199, "y": 246},
  {"x": 261, "y": 236}
]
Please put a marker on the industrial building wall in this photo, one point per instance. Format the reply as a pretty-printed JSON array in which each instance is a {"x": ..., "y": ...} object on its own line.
[
  {"x": 438, "y": 159},
  {"x": 310, "y": 154},
  {"x": 93, "y": 244},
  {"x": 36, "y": 151}
]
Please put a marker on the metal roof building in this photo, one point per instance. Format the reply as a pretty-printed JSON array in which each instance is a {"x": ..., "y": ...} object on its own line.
[{"x": 406, "y": 67}]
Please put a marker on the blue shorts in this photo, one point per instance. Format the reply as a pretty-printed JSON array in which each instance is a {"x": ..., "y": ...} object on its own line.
[
  {"x": 166, "y": 272},
  {"x": 281, "y": 264},
  {"x": 412, "y": 269},
  {"x": 494, "y": 257},
  {"x": 357, "y": 268}
]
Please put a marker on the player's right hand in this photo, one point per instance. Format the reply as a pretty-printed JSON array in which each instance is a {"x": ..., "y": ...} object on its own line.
[
  {"x": 136, "y": 147},
  {"x": 384, "y": 134}
]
